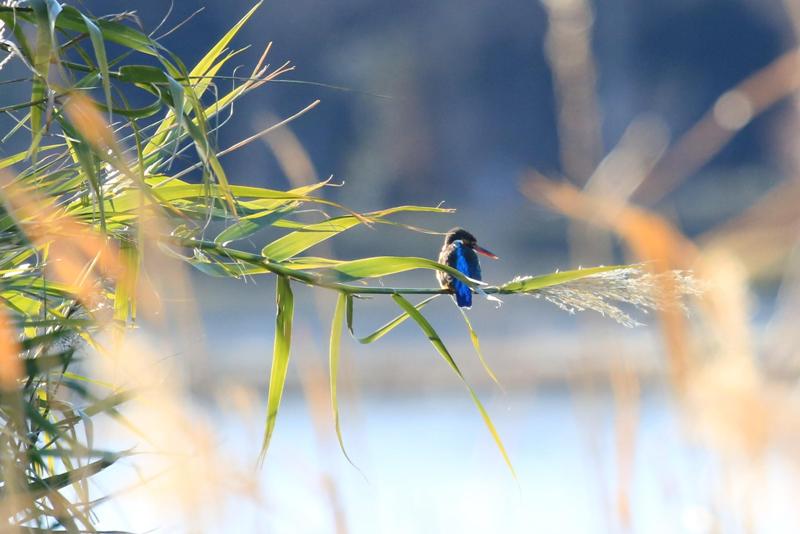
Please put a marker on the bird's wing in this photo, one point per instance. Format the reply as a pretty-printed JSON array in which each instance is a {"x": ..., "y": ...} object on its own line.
[
  {"x": 466, "y": 261},
  {"x": 474, "y": 265}
]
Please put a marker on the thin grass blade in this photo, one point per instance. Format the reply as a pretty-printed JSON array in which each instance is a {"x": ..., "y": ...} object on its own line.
[
  {"x": 21, "y": 156},
  {"x": 477, "y": 344},
  {"x": 96, "y": 37},
  {"x": 250, "y": 225},
  {"x": 202, "y": 67},
  {"x": 294, "y": 243},
  {"x": 207, "y": 63},
  {"x": 440, "y": 347},
  {"x": 116, "y": 32},
  {"x": 280, "y": 357},
  {"x": 45, "y": 13},
  {"x": 337, "y": 324},
  {"x": 385, "y": 329},
  {"x": 63, "y": 480},
  {"x": 386, "y": 265},
  {"x": 532, "y": 283}
]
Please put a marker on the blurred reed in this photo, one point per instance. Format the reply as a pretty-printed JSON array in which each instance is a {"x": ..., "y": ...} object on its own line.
[{"x": 731, "y": 400}]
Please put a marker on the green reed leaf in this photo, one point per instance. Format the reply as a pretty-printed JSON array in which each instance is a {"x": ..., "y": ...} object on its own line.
[
  {"x": 62, "y": 480},
  {"x": 208, "y": 65},
  {"x": 280, "y": 357},
  {"x": 337, "y": 324},
  {"x": 383, "y": 330},
  {"x": 473, "y": 336},
  {"x": 22, "y": 156},
  {"x": 532, "y": 283},
  {"x": 202, "y": 68},
  {"x": 125, "y": 290},
  {"x": 45, "y": 14},
  {"x": 247, "y": 226},
  {"x": 440, "y": 347},
  {"x": 294, "y": 243},
  {"x": 386, "y": 265},
  {"x": 116, "y": 32},
  {"x": 98, "y": 44}
]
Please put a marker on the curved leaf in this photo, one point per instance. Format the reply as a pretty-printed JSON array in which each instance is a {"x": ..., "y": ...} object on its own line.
[
  {"x": 142, "y": 74},
  {"x": 294, "y": 243},
  {"x": 337, "y": 323},
  {"x": 61, "y": 480},
  {"x": 477, "y": 345},
  {"x": 21, "y": 156},
  {"x": 438, "y": 344},
  {"x": 45, "y": 13},
  {"x": 385, "y": 329},
  {"x": 71, "y": 19},
  {"x": 129, "y": 199},
  {"x": 247, "y": 226},
  {"x": 96, "y": 37},
  {"x": 205, "y": 64},
  {"x": 280, "y": 357}
]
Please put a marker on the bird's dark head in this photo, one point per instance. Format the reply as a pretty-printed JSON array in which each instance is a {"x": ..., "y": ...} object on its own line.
[
  {"x": 459, "y": 234},
  {"x": 467, "y": 239}
]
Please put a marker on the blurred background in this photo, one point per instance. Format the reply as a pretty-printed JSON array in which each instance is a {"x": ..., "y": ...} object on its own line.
[{"x": 564, "y": 133}]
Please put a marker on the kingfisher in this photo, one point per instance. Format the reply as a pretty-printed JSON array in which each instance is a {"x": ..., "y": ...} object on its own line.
[{"x": 459, "y": 251}]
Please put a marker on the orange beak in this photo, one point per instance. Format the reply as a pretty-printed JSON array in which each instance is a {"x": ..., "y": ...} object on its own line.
[{"x": 485, "y": 252}]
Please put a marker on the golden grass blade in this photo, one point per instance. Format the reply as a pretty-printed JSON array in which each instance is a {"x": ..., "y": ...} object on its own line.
[
  {"x": 10, "y": 364},
  {"x": 77, "y": 256},
  {"x": 88, "y": 121}
]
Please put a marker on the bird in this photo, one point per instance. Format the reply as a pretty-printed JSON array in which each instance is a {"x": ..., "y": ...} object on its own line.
[{"x": 459, "y": 251}]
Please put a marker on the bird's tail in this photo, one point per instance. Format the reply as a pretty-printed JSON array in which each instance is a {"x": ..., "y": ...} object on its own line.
[{"x": 463, "y": 294}]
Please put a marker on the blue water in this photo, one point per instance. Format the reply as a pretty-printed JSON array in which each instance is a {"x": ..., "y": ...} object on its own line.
[{"x": 430, "y": 466}]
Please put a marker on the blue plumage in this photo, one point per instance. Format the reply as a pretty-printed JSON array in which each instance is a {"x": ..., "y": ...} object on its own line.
[
  {"x": 471, "y": 269},
  {"x": 459, "y": 251}
]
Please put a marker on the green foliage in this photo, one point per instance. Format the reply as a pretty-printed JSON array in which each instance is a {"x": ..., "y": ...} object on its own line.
[
  {"x": 80, "y": 208},
  {"x": 280, "y": 355},
  {"x": 337, "y": 324},
  {"x": 438, "y": 344},
  {"x": 527, "y": 284}
]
